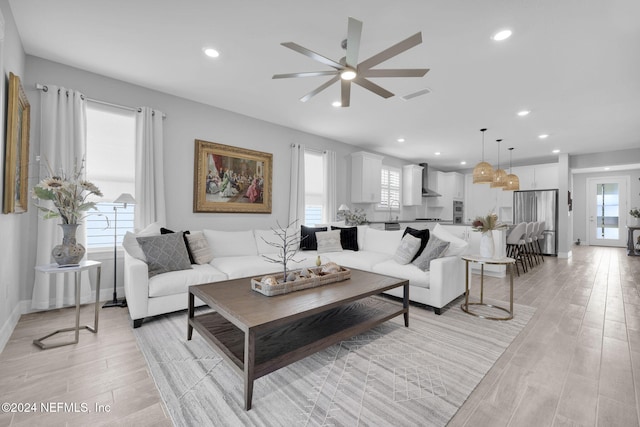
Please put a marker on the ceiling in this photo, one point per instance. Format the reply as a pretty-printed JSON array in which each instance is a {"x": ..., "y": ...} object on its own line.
[{"x": 573, "y": 63}]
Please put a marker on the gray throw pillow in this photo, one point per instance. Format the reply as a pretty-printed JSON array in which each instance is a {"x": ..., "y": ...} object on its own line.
[
  {"x": 165, "y": 253},
  {"x": 408, "y": 248},
  {"x": 435, "y": 249}
]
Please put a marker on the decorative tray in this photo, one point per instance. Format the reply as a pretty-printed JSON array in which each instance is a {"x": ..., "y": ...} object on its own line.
[{"x": 300, "y": 284}]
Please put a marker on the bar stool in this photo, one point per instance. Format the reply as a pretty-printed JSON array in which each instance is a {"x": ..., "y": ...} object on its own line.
[
  {"x": 540, "y": 236},
  {"x": 515, "y": 245}
]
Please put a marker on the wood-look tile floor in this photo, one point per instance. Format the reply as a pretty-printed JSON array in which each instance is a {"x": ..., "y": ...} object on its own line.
[{"x": 576, "y": 363}]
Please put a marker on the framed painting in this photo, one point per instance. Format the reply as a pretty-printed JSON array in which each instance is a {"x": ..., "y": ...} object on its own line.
[
  {"x": 16, "y": 167},
  {"x": 231, "y": 179}
]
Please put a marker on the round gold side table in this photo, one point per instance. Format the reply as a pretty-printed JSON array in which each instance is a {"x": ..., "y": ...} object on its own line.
[{"x": 509, "y": 262}]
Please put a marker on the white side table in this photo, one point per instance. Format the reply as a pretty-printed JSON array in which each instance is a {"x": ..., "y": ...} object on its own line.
[
  {"x": 56, "y": 269},
  {"x": 510, "y": 262}
]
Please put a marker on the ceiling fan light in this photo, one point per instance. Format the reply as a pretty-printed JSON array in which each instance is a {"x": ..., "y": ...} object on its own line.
[
  {"x": 483, "y": 173},
  {"x": 348, "y": 74},
  {"x": 513, "y": 183}
]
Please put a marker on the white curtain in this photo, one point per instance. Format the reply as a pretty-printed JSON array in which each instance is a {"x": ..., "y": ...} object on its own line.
[
  {"x": 150, "y": 202},
  {"x": 329, "y": 170},
  {"x": 62, "y": 147},
  {"x": 296, "y": 187}
]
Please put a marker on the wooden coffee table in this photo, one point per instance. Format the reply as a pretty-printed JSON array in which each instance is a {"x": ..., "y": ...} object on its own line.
[{"x": 257, "y": 334}]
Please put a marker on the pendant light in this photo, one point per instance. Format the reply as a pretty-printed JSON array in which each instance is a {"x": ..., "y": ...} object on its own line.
[
  {"x": 513, "y": 182},
  {"x": 483, "y": 172},
  {"x": 499, "y": 175}
]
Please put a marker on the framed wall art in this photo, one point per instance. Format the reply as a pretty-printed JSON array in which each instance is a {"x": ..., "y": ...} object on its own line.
[
  {"x": 231, "y": 179},
  {"x": 16, "y": 167}
]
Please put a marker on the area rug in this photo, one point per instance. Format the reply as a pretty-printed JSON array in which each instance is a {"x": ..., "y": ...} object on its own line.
[{"x": 389, "y": 376}]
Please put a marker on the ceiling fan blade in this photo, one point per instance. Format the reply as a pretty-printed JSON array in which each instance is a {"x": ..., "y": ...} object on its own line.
[
  {"x": 373, "y": 87},
  {"x": 345, "y": 93},
  {"x": 354, "y": 31},
  {"x": 311, "y": 54},
  {"x": 394, "y": 50},
  {"x": 408, "y": 72},
  {"x": 319, "y": 89},
  {"x": 305, "y": 74}
]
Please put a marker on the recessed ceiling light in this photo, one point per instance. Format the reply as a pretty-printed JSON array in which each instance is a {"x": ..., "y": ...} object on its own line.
[
  {"x": 463, "y": 162},
  {"x": 607, "y": 168},
  {"x": 523, "y": 113},
  {"x": 543, "y": 136},
  {"x": 502, "y": 35},
  {"x": 336, "y": 104},
  {"x": 400, "y": 139},
  {"x": 555, "y": 151},
  {"x": 211, "y": 52},
  {"x": 437, "y": 153}
]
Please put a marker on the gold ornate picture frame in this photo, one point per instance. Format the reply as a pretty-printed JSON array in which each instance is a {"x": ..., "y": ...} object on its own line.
[
  {"x": 16, "y": 166},
  {"x": 231, "y": 179}
]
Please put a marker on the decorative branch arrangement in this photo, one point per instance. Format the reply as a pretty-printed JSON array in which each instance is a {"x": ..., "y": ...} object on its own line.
[{"x": 287, "y": 249}]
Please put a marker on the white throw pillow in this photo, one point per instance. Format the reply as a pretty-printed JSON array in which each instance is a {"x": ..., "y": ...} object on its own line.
[
  {"x": 408, "y": 248},
  {"x": 231, "y": 243},
  {"x": 457, "y": 246},
  {"x": 131, "y": 245},
  {"x": 328, "y": 241},
  {"x": 199, "y": 247}
]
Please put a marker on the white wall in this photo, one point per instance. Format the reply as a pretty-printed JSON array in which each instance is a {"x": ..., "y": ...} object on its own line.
[{"x": 16, "y": 255}]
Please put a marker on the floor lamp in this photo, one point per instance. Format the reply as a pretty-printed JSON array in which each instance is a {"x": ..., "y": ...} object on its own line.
[{"x": 124, "y": 198}]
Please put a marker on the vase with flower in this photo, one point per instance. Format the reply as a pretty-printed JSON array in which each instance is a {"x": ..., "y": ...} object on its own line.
[
  {"x": 486, "y": 225},
  {"x": 70, "y": 195},
  {"x": 635, "y": 213}
]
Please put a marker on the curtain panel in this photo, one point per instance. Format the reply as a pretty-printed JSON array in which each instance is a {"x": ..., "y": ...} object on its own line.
[
  {"x": 62, "y": 148},
  {"x": 296, "y": 185},
  {"x": 329, "y": 209}
]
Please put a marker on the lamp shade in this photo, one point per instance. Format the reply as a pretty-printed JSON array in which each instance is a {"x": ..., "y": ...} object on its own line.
[
  {"x": 499, "y": 179},
  {"x": 125, "y": 198},
  {"x": 513, "y": 183},
  {"x": 483, "y": 172},
  {"x": 343, "y": 207}
]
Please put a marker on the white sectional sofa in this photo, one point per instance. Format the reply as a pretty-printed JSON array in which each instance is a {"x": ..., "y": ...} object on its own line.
[{"x": 238, "y": 254}]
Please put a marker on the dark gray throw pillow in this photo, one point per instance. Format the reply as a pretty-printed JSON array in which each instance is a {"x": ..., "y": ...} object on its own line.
[
  {"x": 434, "y": 249},
  {"x": 165, "y": 253}
]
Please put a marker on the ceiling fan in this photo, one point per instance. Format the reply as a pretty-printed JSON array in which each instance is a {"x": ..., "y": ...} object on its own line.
[{"x": 348, "y": 70}]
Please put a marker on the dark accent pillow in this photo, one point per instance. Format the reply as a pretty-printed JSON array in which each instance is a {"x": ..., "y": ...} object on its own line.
[
  {"x": 186, "y": 242},
  {"x": 308, "y": 241},
  {"x": 423, "y": 235},
  {"x": 164, "y": 253},
  {"x": 348, "y": 237}
]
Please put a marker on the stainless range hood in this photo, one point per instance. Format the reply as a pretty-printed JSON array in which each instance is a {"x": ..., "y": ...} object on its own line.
[{"x": 426, "y": 191}]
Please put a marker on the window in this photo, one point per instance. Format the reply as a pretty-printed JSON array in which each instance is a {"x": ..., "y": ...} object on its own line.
[
  {"x": 110, "y": 164},
  {"x": 389, "y": 188},
  {"x": 313, "y": 188}
]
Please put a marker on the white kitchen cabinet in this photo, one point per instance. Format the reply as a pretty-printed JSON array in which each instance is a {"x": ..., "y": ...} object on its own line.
[
  {"x": 450, "y": 185},
  {"x": 537, "y": 177},
  {"x": 412, "y": 185},
  {"x": 365, "y": 177}
]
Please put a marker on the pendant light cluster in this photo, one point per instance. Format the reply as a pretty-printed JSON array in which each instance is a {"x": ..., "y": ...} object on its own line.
[{"x": 484, "y": 173}]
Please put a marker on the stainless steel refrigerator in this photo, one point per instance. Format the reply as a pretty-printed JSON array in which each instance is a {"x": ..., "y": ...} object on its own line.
[{"x": 539, "y": 205}]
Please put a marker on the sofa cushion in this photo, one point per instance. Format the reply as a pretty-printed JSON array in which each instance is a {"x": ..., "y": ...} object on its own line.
[
  {"x": 308, "y": 240},
  {"x": 177, "y": 282},
  {"x": 412, "y": 273},
  {"x": 457, "y": 246},
  {"x": 231, "y": 243},
  {"x": 165, "y": 253},
  {"x": 199, "y": 248},
  {"x": 434, "y": 249},
  {"x": 423, "y": 235},
  {"x": 131, "y": 245},
  {"x": 328, "y": 241},
  {"x": 266, "y": 239},
  {"x": 409, "y": 246},
  {"x": 385, "y": 242},
  {"x": 245, "y": 266},
  {"x": 348, "y": 237},
  {"x": 362, "y": 260},
  {"x": 186, "y": 242}
]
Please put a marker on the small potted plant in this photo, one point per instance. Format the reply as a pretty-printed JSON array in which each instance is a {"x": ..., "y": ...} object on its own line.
[{"x": 635, "y": 213}]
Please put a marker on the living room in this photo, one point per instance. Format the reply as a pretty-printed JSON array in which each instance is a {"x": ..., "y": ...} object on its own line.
[{"x": 197, "y": 118}]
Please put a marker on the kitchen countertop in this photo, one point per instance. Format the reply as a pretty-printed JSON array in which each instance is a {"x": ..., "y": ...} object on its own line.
[{"x": 401, "y": 221}]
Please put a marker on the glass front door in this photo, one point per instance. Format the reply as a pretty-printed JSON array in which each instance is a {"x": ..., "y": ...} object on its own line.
[{"x": 607, "y": 212}]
